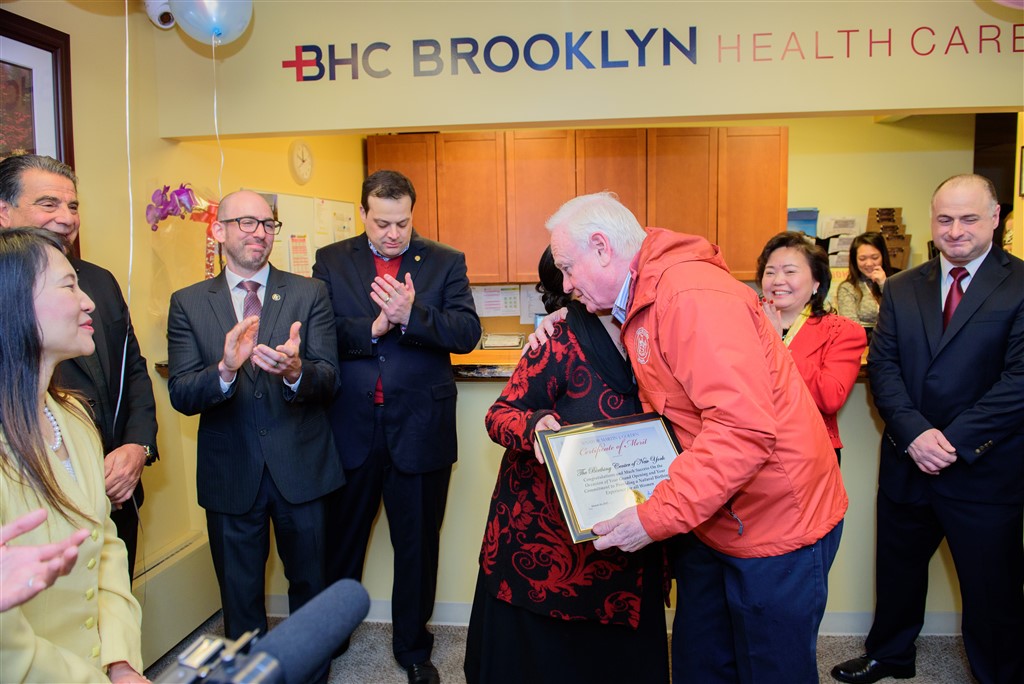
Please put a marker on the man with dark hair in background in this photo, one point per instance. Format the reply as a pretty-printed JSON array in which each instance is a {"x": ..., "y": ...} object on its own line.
[
  {"x": 402, "y": 305},
  {"x": 41, "y": 192}
]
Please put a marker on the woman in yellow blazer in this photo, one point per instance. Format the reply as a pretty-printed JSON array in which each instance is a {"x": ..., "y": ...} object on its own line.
[{"x": 86, "y": 627}]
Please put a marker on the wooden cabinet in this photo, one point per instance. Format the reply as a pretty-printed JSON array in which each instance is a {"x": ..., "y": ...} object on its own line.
[
  {"x": 726, "y": 184},
  {"x": 471, "y": 201},
  {"x": 753, "y": 175},
  {"x": 615, "y": 160},
  {"x": 682, "y": 180},
  {"x": 413, "y": 155},
  {"x": 489, "y": 193},
  {"x": 540, "y": 176}
]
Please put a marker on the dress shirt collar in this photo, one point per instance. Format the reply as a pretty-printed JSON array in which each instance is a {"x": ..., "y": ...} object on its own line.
[
  {"x": 971, "y": 266},
  {"x": 622, "y": 301},
  {"x": 385, "y": 258},
  {"x": 259, "y": 276}
]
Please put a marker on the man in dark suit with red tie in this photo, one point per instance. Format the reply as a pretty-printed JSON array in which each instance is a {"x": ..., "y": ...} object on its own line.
[
  {"x": 253, "y": 352},
  {"x": 402, "y": 305},
  {"x": 947, "y": 374}
]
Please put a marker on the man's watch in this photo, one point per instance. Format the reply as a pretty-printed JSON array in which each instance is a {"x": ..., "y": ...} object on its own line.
[{"x": 151, "y": 456}]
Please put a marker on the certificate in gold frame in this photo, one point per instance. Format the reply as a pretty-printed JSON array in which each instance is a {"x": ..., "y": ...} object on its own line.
[{"x": 601, "y": 468}]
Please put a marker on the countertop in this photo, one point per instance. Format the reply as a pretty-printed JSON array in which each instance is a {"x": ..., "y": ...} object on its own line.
[
  {"x": 486, "y": 364},
  {"x": 491, "y": 365}
]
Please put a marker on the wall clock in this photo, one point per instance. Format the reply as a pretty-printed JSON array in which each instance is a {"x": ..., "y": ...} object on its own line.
[{"x": 300, "y": 161}]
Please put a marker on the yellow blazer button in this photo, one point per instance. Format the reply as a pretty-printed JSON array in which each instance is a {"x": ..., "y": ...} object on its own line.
[
  {"x": 91, "y": 564},
  {"x": 95, "y": 534},
  {"x": 89, "y": 593},
  {"x": 90, "y": 622},
  {"x": 95, "y": 653}
]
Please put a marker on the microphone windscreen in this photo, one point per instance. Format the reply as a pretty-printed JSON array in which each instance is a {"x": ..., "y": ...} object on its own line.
[{"x": 304, "y": 642}]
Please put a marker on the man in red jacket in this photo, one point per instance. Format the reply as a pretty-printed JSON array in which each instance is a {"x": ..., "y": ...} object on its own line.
[{"x": 757, "y": 482}]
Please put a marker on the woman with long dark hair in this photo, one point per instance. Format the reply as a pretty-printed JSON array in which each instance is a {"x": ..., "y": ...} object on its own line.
[
  {"x": 795, "y": 278},
  {"x": 86, "y": 627},
  {"x": 859, "y": 296}
]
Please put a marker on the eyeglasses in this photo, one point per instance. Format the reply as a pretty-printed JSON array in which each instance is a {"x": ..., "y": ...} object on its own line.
[{"x": 247, "y": 224}]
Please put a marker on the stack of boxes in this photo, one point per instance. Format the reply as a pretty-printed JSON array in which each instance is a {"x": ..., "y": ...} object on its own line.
[{"x": 889, "y": 222}]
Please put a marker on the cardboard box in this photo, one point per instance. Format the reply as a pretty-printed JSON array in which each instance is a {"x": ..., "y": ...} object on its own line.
[
  {"x": 896, "y": 240},
  {"x": 899, "y": 249},
  {"x": 885, "y": 215},
  {"x": 887, "y": 228},
  {"x": 899, "y": 257}
]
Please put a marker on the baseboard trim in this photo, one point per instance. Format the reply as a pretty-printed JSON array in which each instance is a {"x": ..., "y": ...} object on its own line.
[
  {"x": 858, "y": 624},
  {"x": 177, "y": 595},
  {"x": 833, "y": 624}
]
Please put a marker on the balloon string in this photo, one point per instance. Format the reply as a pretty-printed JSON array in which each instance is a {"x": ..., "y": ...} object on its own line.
[
  {"x": 131, "y": 200},
  {"x": 216, "y": 127}
]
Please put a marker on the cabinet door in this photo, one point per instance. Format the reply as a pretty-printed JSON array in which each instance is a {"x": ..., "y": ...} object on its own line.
[
  {"x": 682, "y": 180},
  {"x": 412, "y": 155},
  {"x": 614, "y": 160},
  {"x": 753, "y": 174},
  {"x": 471, "y": 201},
  {"x": 540, "y": 176}
]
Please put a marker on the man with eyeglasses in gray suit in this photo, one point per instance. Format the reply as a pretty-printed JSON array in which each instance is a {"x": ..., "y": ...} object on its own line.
[{"x": 253, "y": 352}]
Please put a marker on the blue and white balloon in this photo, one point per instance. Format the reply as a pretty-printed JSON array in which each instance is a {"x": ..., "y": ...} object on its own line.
[{"x": 221, "y": 21}]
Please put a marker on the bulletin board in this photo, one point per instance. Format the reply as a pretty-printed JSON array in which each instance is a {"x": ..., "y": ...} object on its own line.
[{"x": 309, "y": 223}]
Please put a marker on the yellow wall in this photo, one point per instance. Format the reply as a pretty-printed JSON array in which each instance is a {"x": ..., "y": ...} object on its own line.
[
  {"x": 840, "y": 164},
  {"x": 1018, "y": 201}
]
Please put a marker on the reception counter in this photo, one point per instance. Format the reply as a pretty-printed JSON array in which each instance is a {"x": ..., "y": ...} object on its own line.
[
  {"x": 481, "y": 376},
  {"x": 851, "y": 598},
  {"x": 486, "y": 364}
]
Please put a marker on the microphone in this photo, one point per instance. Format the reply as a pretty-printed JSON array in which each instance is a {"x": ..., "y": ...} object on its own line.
[
  {"x": 297, "y": 651},
  {"x": 303, "y": 643}
]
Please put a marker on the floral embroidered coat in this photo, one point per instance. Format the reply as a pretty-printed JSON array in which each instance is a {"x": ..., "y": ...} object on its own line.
[{"x": 528, "y": 558}]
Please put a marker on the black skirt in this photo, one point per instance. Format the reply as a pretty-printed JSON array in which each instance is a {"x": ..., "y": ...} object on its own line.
[{"x": 506, "y": 643}]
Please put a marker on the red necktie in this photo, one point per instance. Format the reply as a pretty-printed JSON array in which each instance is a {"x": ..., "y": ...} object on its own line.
[
  {"x": 955, "y": 294},
  {"x": 251, "y": 306}
]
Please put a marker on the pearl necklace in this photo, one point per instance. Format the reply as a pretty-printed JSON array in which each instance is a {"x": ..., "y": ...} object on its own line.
[{"x": 58, "y": 437}]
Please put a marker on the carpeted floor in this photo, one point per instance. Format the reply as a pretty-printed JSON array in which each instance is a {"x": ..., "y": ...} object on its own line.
[{"x": 940, "y": 660}]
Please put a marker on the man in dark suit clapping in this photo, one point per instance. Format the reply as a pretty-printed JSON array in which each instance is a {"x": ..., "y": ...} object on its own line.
[
  {"x": 402, "y": 305},
  {"x": 41, "y": 192},
  {"x": 253, "y": 352},
  {"x": 947, "y": 375}
]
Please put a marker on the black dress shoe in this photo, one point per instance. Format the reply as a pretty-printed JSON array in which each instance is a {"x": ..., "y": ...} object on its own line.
[
  {"x": 865, "y": 670},
  {"x": 423, "y": 673}
]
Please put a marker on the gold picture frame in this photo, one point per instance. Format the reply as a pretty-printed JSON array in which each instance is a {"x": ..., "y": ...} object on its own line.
[{"x": 601, "y": 468}]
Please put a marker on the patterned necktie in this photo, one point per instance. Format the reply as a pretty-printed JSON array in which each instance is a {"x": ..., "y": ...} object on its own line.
[
  {"x": 955, "y": 294},
  {"x": 251, "y": 306}
]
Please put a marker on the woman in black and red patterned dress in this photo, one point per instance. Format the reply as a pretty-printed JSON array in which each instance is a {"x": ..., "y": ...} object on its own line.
[{"x": 546, "y": 609}]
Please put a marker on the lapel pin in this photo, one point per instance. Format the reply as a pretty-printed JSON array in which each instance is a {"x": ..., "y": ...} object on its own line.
[
  {"x": 276, "y": 297},
  {"x": 417, "y": 257}
]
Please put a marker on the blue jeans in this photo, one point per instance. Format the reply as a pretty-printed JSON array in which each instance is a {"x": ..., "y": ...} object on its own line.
[{"x": 749, "y": 620}]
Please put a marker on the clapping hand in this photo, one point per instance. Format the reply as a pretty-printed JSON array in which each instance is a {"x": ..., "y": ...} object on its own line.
[
  {"x": 238, "y": 347},
  {"x": 283, "y": 360}
]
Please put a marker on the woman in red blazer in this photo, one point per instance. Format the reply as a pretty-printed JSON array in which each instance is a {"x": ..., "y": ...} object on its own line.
[{"x": 826, "y": 347}]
